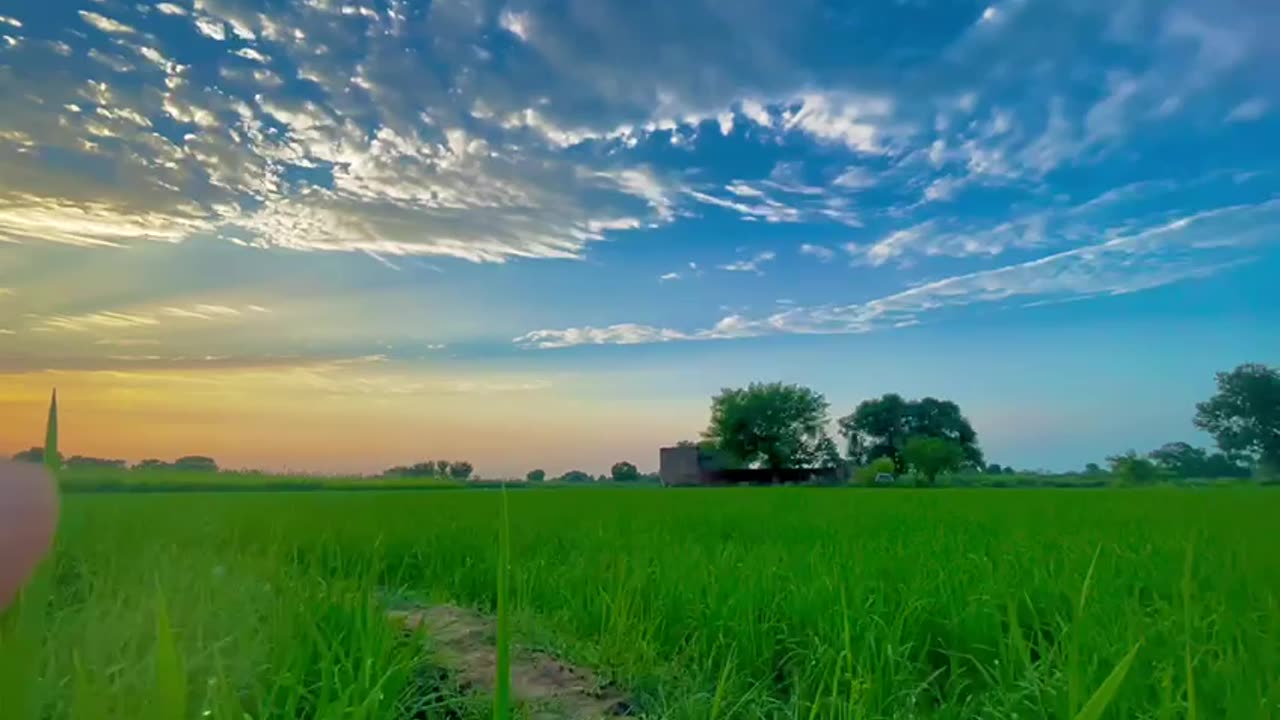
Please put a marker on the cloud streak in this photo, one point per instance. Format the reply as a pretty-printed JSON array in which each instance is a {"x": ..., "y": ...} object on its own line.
[{"x": 1185, "y": 248}]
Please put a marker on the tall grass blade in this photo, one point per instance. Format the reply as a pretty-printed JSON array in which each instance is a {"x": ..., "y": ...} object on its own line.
[
  {"x": 502, "y": 683},
  {"x": 169, "y": 696},
  {"x": 51, "y": 458},
  {"x": 22, "y": 638},
  {"x": 1186, "y": 625},
  {"x": 1103, "y": 696}
]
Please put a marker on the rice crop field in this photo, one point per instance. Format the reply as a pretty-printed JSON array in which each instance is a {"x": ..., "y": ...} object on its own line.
[{"x": 694, "y": 603}]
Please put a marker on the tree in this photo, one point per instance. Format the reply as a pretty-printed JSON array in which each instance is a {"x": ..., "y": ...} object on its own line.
[
  {"x": 83, "y": 461},
  {"x": 772, "y": 426},
  {"x": 34, "y": 455},
  {"x": 1180, "y": 459},
  {"x": 442, "y": 468},
  {"x": 535, "y": 476},
  {"x": 1244, "y": 415},
  {"x": 624, "y": 472},
  {"x": 460, "y": 470},
  {"x": 151, "y": 464},
  {"x": 198, "y": 463},
  {"x": 1092, "y": 469},
  {"x": 1131, "y": 469},
  {"x": 931, "y": 456},
  {"x": 994, "y": 469},
  {"x": 866, "y": 475},
  {"x": 576, "y": 476},
  {"x": 881, "y": 428}
]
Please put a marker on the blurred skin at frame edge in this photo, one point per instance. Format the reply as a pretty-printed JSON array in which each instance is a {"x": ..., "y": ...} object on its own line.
[{"x": 28, "y": 517}]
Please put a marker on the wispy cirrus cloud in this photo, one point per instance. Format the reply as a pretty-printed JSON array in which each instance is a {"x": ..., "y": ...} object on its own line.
[
  {"x": 1182, "y": 249},
  {"x": 754, "y": 264},
  {"x": 141, "y": 319}
]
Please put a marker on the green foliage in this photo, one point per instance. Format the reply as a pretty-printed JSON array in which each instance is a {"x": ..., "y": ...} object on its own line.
[
  {"x": 883, "y": 426},
  {"x": 932, "y": 456},
  {"x": 1182, "y": 460},
  {"x": 770, "y": 425},
  {"x": 196, "y": 463},
  {"x": 740, "y": 604},
  {"x": 93, "y": 462},
  {"x": 576, "y": 476},
  {"x": 866, "y": 475},
  {"x": 994, "y": 469},
  {"x": 33, "y": 455},
  {"x": 461, "y": 470},
  {"x": 1131, "y": 469},
  {"x": 1244, "y": 415},
  {"x": 1092, "y": 469},
  {"x": 52, "y": 457},
  {"x": 536, "y": 476},
  {"x": 624, "y": 472}
]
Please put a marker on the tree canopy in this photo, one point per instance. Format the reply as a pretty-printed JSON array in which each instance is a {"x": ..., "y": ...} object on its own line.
[
  {"x": 883, "y": 426},
  {"x": 576, "y": 476},
  {"x": 770, "y": 425},
  {"x": 1244, "y": 415},
  {"x": 1187, "y": 461},
  {"x": 536, "y": 476},
  {"x": 624, "y": 472},
  {"x": 932, "y": 456}
]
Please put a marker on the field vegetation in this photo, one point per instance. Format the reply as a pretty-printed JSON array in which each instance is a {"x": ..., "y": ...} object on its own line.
[{"x": 716, "y": 603}]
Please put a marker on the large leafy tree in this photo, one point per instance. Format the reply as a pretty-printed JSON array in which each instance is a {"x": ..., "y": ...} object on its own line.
[
  {"x": 770, "y": 425},
  {"x": 1244, "y": 415},
  {"x": 536, "y": 476},
  {"x": 932, "y": 456},
  {"x": 624, "y": 472},
  {"x": 1187, "y": 461},
  {"x": 883, "y": 426}
]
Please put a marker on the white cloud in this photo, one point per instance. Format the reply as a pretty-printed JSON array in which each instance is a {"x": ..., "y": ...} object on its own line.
[
  {"x": 516, "y": 23},
  {"x": 171, "y": 9},
  {"x": 757, "y": 113},
  {"x": 254, "y": 55},
  {"x": 725, "y": 120},
  {"x": 1248, "y": 111},
  {"x": 1183, "y": 249},
  {"x": 752, "y": 264},
  {"x": 106, "y": 24},
  {"x": 823, "y": 253},
  {"x": 857, "y": 122},
  {"x": 855, "y": 178},
  {"x": 135, "y": 319},
  {"x": 210, "y": 28},
  {"x": 11, "y": 22},
  {"x": 669, "y": 276}
]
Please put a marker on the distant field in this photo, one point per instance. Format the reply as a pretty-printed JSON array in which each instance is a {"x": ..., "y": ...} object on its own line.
[
  {"x": 110, "y": 479},
  {"x": 724, "y": 603}
]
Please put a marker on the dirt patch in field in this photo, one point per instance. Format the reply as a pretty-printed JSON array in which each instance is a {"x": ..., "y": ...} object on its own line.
[{"x": 464, "y": 641}]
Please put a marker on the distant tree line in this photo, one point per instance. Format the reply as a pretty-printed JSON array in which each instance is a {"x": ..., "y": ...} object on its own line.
[
  {"x": 198, "y": 463},
  {"x": 621, "y": 472},
  {"x": 451, "y": 469},
  {"x": 780, "y": 426}
]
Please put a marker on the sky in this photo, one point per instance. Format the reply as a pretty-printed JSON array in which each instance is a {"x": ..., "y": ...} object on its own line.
[{"x": 337, "y": 235}]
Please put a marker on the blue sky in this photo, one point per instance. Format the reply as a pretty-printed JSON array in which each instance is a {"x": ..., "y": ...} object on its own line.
[{"x": 459, "y": 215}]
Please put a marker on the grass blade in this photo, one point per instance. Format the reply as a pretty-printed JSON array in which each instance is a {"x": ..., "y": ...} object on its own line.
[
  {"x": 1186, "y": 624},
  {"x": 1102, "y": 697},
  {"x": 169, "y": 700},
  {"x": 502, "y": 683}
]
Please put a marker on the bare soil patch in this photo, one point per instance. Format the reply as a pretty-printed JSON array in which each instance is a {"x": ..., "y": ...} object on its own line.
[{"x": 464, "y": 642}]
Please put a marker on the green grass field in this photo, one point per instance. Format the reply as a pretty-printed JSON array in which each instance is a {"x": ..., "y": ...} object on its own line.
[{"x": 723, "y": 603}]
